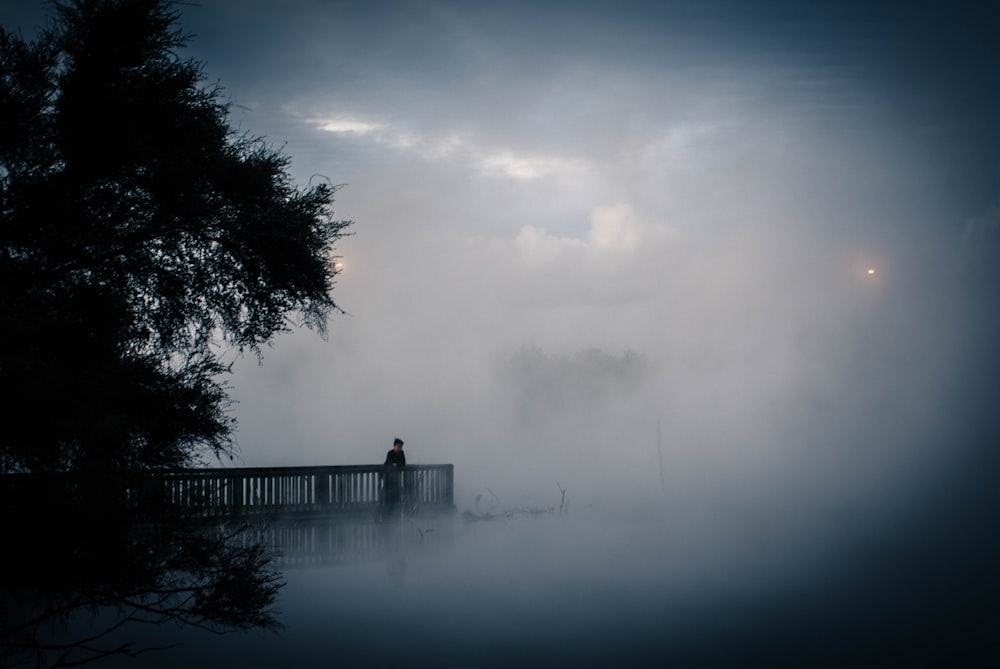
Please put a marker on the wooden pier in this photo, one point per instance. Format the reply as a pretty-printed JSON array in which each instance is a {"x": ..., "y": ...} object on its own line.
[
  {"x": 309, "y": 491},
  {"x": 251, "y": 492}
]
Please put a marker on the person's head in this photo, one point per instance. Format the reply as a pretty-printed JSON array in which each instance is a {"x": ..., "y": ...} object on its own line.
[{"x": 397, "y": 445}]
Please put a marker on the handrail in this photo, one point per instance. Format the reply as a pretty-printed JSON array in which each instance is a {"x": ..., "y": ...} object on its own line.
[
  {"x": 236, "y": 492},
  {"x": 253, "y": 491}
]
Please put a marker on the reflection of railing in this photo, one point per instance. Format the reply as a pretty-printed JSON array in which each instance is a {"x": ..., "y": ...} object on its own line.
[
  {"x": 337, "y": 539},
  {"x": 273, "y": 491}
]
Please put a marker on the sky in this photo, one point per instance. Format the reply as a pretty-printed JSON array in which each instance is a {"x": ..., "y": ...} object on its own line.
[
  {"x": 752, "y": 241},
  {"x": 737, "y": 261}
]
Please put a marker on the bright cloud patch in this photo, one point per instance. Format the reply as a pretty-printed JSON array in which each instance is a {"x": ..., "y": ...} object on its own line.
[
  {"x": 347, "y": 125},
  {"x": 441, "y": 148},
  {"x": 524, "y": 167},
  {"x": 538, "y": 245},
  {"x": 614, "y": 230}
]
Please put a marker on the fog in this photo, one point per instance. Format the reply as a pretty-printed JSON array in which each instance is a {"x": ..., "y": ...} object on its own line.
[
  {"x": 725, "y": 277},
  {"x": 777, "y": 367},
  {"x": 572, "y": 226},
  {"x": 592, "y": 246},
  {"x": 587, "y": 589}
]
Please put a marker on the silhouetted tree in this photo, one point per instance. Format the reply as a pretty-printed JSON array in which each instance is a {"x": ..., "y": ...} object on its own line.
[
  {"x": 141, "y": 238},
  {"x": 139, "y": 233}
]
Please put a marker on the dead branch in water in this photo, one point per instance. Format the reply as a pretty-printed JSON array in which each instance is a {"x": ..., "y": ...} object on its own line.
[{"x": 503, "y": 514}]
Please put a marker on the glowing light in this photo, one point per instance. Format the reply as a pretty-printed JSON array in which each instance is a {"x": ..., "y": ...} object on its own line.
[
  {"x": 871, "y": 271},
  {"x": 338, "y": 266}
]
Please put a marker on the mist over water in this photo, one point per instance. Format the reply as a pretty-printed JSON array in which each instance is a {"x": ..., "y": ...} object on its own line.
[{"x": 629, "y": 587}]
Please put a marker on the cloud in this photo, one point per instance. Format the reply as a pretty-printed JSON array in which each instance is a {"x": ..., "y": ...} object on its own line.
[
  {"x": 614, "y": 230},
  {"x": 347, "y": 125},
  {"x": 537, "y": 246},
  {"x": 525, "y": 166},
  {"x": 618, "y": 229}
]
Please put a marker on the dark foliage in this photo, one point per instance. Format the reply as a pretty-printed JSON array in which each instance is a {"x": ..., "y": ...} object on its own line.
[
  {"x": 140, "y": 240},
  {"x": 140, "y": 236}
]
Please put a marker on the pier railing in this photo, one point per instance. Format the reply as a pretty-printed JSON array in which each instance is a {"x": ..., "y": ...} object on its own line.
[
  {"x": 241, "y": 492},
  {"x": 281, "y": 491}
]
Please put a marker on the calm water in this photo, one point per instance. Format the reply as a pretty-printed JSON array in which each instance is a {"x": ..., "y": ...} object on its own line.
[{"x": 590, "y": 589}]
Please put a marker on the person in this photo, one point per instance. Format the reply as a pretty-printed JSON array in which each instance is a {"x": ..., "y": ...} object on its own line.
[{"x": 395, "y": 461}]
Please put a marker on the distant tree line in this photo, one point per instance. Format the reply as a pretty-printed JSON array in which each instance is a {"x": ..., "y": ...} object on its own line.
[{"x": 581, "y": 382}]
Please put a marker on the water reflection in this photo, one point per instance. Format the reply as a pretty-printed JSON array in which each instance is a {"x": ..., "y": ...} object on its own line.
[
  {"x": 333, "y": 540},
  {"x": 581, "y": 590}
]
